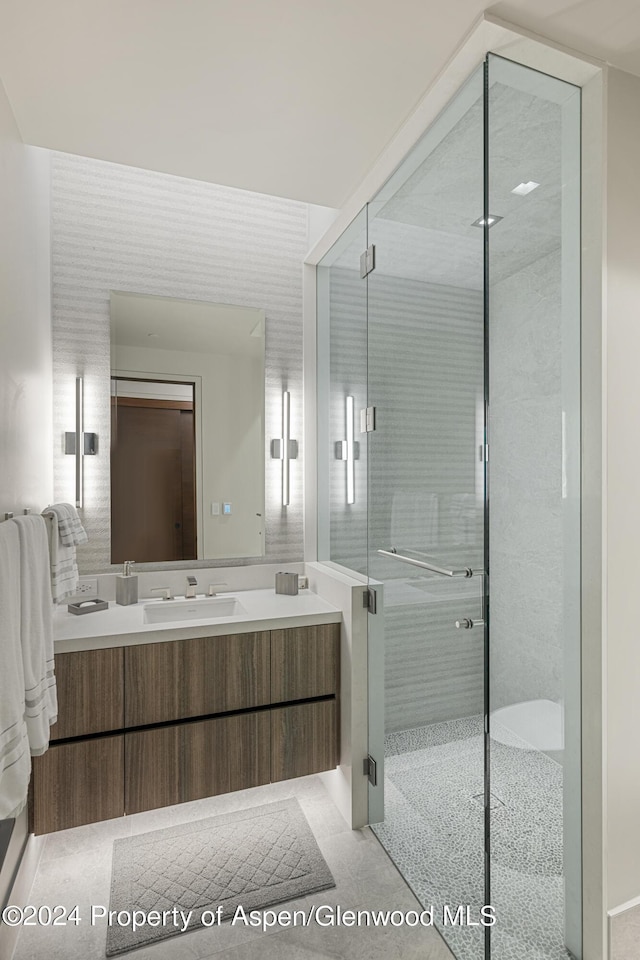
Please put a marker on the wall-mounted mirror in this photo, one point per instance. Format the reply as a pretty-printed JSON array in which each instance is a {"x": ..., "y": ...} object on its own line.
[{"x": 187, "y": 429}]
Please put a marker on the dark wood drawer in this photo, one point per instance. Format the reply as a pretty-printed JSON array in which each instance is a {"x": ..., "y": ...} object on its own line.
[
  {"x": 90, "y": 687},
  {"x": 189, "y": 761},
  {"x": 195, "y": 678},
  {"x": 305, "y": 662},
  {"x": 237, "y": 741},
  {"x": 304, "y": 739},
  {"x": 77, "y": 783}
]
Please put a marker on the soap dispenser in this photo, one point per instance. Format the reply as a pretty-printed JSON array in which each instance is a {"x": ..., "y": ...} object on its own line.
[{"x": 127, "y": 585}]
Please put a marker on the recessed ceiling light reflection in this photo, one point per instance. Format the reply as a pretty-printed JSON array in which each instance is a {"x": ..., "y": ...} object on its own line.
[
  {"x": 524, "y": 188},
  {"x": 490, "y": 221}
]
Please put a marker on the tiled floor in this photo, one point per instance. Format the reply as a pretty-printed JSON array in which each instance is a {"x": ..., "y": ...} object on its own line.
[
  {"x": 76, "y": 868},
  {"x": 625, "y": 935}
]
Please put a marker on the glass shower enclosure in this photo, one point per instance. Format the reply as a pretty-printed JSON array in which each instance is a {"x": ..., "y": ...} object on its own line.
[{"x": 449, "y": 476}]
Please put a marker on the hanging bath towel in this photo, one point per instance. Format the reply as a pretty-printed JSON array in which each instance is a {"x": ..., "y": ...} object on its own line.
[
  {"x": 36, "y": 630},
  {"x": 15, "y": 758}
]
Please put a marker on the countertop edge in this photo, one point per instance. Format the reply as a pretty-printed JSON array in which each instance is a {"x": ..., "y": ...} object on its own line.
[{"x": 192, "y": 631}]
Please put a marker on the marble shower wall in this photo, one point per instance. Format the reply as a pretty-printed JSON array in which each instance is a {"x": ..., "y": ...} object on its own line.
[
  {"x": 122, "y": 228},
  {"x": 526, "y": 523}
]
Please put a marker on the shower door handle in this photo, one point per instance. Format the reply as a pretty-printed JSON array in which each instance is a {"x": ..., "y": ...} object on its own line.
[
  {"x": 434, "y": 568},
  {"x": 467, "y": 624}
]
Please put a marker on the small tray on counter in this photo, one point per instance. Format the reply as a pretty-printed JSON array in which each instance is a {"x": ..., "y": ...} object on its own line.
[{"x": 80, "y": 607}]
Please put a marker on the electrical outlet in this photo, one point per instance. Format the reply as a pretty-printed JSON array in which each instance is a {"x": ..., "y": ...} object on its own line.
[{"x": 87, "y": 586}]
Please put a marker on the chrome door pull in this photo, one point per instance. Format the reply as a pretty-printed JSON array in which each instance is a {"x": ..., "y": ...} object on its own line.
[
  {"x": 466, "y": 624},
  {"x": 433, "y": 567}
]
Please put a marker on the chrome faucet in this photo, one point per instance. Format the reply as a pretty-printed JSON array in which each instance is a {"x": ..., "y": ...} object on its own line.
[
  {"x": 192, "y": 583},
  {"x": 165, "y": 591},
  {"x": 214, "y": 588}
]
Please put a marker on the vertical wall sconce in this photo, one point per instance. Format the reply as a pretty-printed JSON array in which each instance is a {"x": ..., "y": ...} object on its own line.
[
  {"x": 284, "y": 448},
  {"x": 349, "y": 451},
  {"x": 80, "y": 444}
]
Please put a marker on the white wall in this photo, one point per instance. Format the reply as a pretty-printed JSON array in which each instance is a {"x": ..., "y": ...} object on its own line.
[
  {"x": 26, "y": 468},
  {"x": 25, "y": 322},
  {"x": 622, "y": 529},
  {"x": 346, "y": 785}
]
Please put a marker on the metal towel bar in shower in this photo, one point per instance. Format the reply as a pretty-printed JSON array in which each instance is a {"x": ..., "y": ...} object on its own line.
[{"x": 433, "y": 567}]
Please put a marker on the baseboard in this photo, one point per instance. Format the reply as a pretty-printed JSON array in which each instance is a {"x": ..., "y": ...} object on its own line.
[
  {"x": 20, "y": 891},
  {"x": 623, "y": 923},
  {"x": 15, "y": 834},
  {"x": 629, "y": 905}
]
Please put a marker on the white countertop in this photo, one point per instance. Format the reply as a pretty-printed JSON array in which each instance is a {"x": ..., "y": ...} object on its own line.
[{"x": 122, "y": 626}]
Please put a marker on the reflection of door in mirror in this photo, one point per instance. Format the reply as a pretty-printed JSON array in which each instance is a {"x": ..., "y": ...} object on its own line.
[{"x": 153, "y": 489}]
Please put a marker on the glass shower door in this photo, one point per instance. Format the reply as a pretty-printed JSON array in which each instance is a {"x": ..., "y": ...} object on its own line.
[
  {"x": 426, "y": 516},
  {"x": 449, "y": 316},
  {"x": 533, "y": 294}
]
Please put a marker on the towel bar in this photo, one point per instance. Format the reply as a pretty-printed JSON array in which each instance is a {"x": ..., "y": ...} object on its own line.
[
  {"x": 433, "y": 567},
  {"x": 9, "y": 514}
]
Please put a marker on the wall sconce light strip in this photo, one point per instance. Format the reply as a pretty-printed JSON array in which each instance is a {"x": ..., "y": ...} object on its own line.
[
  {"x": 351, "y": 463},
  {"x": 286, "y": 432},
  {"x": 80, "y": 444},
  {"x": 285, "y": 449},
  {"x": 348, "y": 450},
  {"x": 79, "y": 440}
]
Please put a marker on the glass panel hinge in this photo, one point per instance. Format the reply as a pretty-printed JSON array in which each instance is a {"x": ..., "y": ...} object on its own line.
[
  {"x": 367, "y": 419},
  {"x": 370, "y": 770},
  {"x": 367, "y": 261},
  {"x": 370, "y": 600}
]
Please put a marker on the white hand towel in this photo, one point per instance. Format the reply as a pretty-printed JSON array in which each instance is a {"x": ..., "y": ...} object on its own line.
[
  {"x": 64, "y": 569},
  {"x": 70, "y": 529},
  {"x": 36, "y": 629},
  {"x": 15, "y": 759}
]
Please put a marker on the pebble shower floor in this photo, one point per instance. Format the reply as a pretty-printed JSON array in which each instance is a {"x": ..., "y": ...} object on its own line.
[{"x": 434, "y": 828}]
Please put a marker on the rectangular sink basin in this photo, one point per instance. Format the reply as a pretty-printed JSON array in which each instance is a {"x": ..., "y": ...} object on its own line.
[{"x": 207, "y": 608}]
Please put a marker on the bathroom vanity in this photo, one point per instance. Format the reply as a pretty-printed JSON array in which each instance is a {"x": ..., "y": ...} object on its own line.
[{"x": 149, "y": 724}]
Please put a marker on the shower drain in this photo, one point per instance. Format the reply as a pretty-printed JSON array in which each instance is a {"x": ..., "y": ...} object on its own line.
[{"x": 494, "y": 802}]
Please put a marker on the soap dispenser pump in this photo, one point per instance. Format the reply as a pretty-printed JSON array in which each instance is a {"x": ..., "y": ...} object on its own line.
[{"x": 127, "y": 585}]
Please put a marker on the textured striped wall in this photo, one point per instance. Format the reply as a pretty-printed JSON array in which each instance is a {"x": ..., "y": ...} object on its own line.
[
  {"x": 348, "y": 377},
  {"x": 426, "y": 380},
  {"x": 121, "y": 228},
  {"x": 418, "y": 481},
  {"x": 422, "y": 358}
]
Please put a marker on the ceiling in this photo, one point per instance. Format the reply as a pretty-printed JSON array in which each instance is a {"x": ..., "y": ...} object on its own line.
[
  {"x": 425, "y": 229},
  {"x": 444, "y": 196},
  {"x": 286, "y": 97}
]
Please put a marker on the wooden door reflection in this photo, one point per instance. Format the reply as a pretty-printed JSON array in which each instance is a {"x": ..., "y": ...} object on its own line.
[{"x": 153, "y": 509}]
